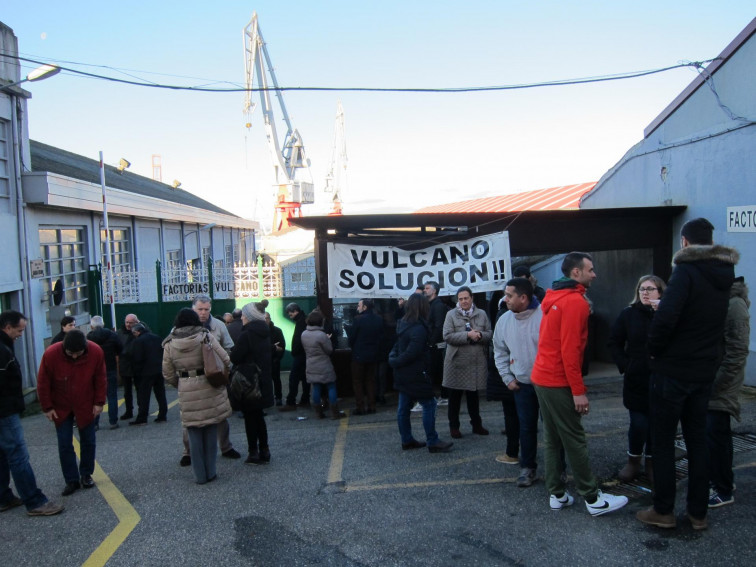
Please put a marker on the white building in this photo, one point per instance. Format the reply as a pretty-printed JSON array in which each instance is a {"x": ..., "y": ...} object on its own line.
[{"x": 701, "y": 152}]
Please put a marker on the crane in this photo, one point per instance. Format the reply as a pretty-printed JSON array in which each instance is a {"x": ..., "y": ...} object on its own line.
[
  {"x": 336, "y": 180},
  {"x": 294, "y": 185}
]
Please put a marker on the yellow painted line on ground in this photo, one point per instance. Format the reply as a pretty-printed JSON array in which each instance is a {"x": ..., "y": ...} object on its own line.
[
  {"x": 337, "y": 456},
  {"x": 172, "y": 404},
  {"x": 127, "y": 516},
  {"x": 426, "y": 484}
]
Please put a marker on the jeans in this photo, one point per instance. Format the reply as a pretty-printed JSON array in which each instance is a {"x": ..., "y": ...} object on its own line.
[
  {"x": 639, "y": 435},
  {"x": 676, "y": 401},
  {"x": 297, "y": 375},
  {"x": 112, "y": 397},
  {"x": 14, "y": 460},
  {"x": 473, "y": 407},
  {"x": 429, "y": 419},
  {"x": 256, "y": 429},
  {"x": 333, "y": 397},
  {"x": 87, "y": 442},
  {"x": 144, "y": 391},
  {"x": 203, "y": 442},
  {"x": 511, "y": 424},
  {"x": 563, "y": 431},
  {"x": 224, "y": 437},
  {"x": 526, "y": 402},
  {"x": 719, "y": 440}
]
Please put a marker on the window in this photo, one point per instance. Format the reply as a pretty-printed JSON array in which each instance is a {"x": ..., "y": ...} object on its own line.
[
  {"x": 120, "y": 249},
  {"x": 173, "y": 267},
  {"x": 229, "y": 256},
  {"x": 5, "y": 163},
  {"x": 63, "y": 251},
  {"x": 205, "y": 257}
]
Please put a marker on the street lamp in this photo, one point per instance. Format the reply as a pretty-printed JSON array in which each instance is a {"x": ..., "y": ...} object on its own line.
[{"x": 38, "y": 74}]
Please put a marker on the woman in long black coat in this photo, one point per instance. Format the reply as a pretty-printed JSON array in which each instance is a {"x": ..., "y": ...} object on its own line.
[
  {"x": 254, "y": 346},
  {"x": 628, "y": 346},
  {"x": 409, "y": 359}
]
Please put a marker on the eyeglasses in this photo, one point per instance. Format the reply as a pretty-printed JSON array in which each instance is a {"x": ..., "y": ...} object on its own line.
[{"x": 648, "y": 289}]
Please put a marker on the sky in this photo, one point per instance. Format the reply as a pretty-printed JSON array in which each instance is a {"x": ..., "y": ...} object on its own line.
[{"x": 405, "y": 150}]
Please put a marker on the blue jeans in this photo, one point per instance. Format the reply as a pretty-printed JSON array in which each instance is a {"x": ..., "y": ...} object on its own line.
[
  {"x": 429, "y": 419},
  {"x": 526, "y": 402},
  {"x": 332, "y": 395},
  {"x": 203, "y": 443},
  {"x": 112, "y": 397},
  {"x": 639, "y": 435},
  {"x": 67, "y": 455},
  {"x": 14, "y": 460},
  {"x": 676, "y": 401}
]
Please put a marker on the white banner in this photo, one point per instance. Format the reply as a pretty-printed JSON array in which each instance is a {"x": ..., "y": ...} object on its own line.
[
  {"x": 741, "y": 219},
  {"x": 481, "y": 263}
]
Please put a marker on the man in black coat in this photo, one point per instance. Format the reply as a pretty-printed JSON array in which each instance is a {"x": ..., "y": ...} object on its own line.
[
  {"x": 111, "y": 347},
  {"x": 277, "y": 347},
  {"x": 235, "y": 326},
  {"x": 684, "y": 342},
  {"x": 14, "y": 456},
  {"x": 436, "y": 319},
  {"x": 147, "y": 357},
  {"x": 125, "y": 366},
  {"x": 365, "y": 342},
  {"x": 299, "y": 362}
]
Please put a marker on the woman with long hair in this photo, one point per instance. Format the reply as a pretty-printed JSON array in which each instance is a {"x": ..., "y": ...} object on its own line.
[
  {"x": 627, "y": 343},
  {"x": 253, "y": 346},
  {"x": 203, "y": 406},
  {"x": 467, "y": 333},
  {"x": 409, "y": 359}
]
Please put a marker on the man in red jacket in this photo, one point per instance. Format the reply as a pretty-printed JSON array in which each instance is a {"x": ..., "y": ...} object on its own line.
[
  {"x": 558, "y": 380},
  {"x": 72, "y": 384}
]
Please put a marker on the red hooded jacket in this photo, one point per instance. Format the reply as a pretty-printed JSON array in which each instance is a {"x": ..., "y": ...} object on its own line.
[
  {"x": 562, "y": 338},
  {"x": 72, "y": 386}
]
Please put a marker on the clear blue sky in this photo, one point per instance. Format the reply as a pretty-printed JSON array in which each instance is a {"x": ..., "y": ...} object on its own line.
[{"x": 405, "y": 150}]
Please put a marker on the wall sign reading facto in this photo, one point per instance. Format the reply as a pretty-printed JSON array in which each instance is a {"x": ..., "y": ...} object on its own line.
[{"x": 741, "y": 219}]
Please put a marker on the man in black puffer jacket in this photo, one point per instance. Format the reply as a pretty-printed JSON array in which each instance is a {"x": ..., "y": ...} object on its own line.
[
  {"x": 111, "y": 347},
  {"x": 684, "y": 342}
]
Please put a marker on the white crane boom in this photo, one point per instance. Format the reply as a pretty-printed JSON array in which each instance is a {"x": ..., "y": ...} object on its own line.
[{"x": 294, "y": 185}]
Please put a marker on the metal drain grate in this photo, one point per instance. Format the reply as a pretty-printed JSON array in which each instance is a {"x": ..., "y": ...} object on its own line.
[{"x": 741, "y": 443}]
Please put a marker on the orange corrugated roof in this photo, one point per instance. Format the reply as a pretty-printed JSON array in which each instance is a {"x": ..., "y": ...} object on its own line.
[{"x": 564, "y": 197}]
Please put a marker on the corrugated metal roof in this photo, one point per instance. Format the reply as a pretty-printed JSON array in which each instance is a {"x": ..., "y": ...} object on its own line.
[{"x": 555, "y": 198}]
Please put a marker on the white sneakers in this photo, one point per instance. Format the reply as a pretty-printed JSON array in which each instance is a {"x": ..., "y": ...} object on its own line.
[
  {"x": 417, "y": 407},
  {"x": 563, "y": 502},
  {"x": 604, "y": 503}
]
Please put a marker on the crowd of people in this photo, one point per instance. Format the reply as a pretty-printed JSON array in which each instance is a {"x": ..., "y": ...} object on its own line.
[{"x": 681, "y": 347}]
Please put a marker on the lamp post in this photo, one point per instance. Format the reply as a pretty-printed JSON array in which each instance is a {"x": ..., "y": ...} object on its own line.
[{"x": 38, "y": 74}]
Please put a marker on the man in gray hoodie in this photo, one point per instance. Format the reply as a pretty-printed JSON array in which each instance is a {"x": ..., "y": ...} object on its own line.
[{"x": 515, "y": 346}]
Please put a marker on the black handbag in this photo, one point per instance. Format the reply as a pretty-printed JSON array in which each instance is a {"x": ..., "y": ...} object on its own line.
[{"x": 245, "y": 384}]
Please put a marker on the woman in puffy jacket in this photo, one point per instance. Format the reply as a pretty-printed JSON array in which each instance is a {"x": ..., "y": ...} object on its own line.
[
  {"x": 202, "y": 405},
  {"x": 253, "y": 346},
  {"x": 320, "y": 372},
  {"x": 409, "y": 359},
  {"x": 627, "y": 343}
]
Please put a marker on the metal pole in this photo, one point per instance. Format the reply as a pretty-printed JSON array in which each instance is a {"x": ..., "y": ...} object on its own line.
[{"x": 109, "y": 267}]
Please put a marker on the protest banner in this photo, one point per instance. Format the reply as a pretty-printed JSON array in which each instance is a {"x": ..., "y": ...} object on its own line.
[{"x": 482, "y": 263}]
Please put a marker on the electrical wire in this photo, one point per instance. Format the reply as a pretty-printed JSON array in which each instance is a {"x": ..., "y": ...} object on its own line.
[{"x": 552, "y": 83}]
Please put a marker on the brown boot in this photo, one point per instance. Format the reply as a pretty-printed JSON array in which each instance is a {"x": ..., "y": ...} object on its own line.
[
  {"x": 650, "y": 470},
  {"x": 319, "y": 411},
  {"x": 631, "y": 470},
  {"x": 336, "y": 413}
]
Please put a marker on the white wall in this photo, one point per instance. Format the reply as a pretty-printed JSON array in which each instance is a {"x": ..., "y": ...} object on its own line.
[{"x": 702, "y": 156}]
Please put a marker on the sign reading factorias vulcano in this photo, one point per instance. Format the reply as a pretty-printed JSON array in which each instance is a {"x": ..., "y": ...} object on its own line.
[{"x": 481, "y": 263}]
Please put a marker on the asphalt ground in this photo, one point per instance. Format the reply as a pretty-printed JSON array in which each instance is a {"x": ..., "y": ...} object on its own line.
[{"x": 343, "y": 493}]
